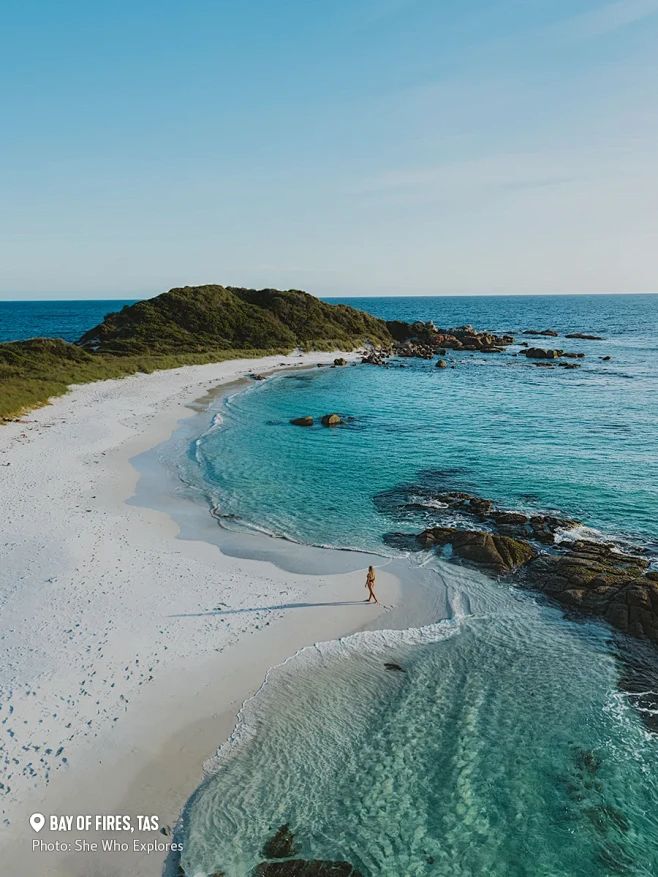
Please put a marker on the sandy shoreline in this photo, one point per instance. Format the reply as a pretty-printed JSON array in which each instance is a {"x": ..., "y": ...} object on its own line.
[{"x": 127, "y": 652}]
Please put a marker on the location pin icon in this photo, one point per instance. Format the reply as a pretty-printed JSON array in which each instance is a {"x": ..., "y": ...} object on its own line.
[{"x": 37, "y": 821}]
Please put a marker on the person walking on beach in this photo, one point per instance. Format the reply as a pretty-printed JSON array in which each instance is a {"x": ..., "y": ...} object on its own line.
[{"x": 370, "y": 585}]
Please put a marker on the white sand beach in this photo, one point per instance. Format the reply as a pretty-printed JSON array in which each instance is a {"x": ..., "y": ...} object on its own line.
[{"x": 124, "y": 660}]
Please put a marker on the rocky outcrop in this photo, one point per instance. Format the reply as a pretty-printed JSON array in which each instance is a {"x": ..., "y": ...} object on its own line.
[
  {"x": 611, "y": 580},
  {"x": 601, "y": 580},
  {"x": 550, "y": 332},
  {"x": 331, "y": 420},
  {"x": 584, "y": 337},
  {"x": 595, "y": 578},
  {"x": 499, "y": 554},
  {"x": 302, "y": 421},
  {"x": 424, "y": 341},
  {"x": 340, "y": 361}
]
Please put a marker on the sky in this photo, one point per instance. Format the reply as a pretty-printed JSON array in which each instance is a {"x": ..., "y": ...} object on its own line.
[{"x": 345, "y": 147}]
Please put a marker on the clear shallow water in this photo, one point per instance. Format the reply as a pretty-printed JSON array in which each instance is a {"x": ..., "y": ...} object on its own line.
[
  {"x": 503, "y": 750},
  {"x": 506, "y": 748}
]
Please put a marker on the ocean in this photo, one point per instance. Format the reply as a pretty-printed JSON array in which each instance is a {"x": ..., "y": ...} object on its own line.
[
  {"x": 506, "y": 747},
  {"x": 53, "y": 319}
]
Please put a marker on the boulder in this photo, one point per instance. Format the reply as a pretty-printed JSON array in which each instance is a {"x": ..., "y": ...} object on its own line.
[
  {"x": 499, "y": 554},
  {"x": 550, "y": 332},
  {"x": 331, "y": 420},
  {"x": 302, "y": 421},
  {"x": 340, "y": 361},
  {"x": 583, "y": 337},
  {"x": 605, "y": 358},
  {"x": 441, "y": 363},
  {"x": 542, "y": 353}
]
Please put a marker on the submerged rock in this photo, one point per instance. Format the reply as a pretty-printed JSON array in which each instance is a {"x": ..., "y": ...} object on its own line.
[
  {"x": 395, "y": 668},
  {"x": 281, "y": 845},
  {"x": 441, "y": 363},
  {"x": 306, "y": 868},
  {"x": 302, "y": 421},
  {"x": 550, "y": 332},
  {"x": 331, "y": 420},
  {"x": 584, "y": 337}
]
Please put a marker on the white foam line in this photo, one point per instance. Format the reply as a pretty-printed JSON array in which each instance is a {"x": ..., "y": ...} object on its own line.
[{"x": 374, "y": 641}]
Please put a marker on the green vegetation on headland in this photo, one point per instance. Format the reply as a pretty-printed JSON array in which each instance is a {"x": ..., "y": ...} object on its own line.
[
  {"x": 201, "y": 318},
  {"x": 188, "y": 326}
]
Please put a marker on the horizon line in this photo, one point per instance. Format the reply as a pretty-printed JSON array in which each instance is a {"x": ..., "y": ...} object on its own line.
[{"x": 146, "y": 296}]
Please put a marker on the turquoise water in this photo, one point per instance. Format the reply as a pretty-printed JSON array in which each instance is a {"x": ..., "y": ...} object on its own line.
[
  {"x": 581, "y": 441},
  {"x": 506, "y": 748}
]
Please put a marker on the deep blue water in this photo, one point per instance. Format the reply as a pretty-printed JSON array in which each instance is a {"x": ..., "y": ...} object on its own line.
[
  {"x": 53, "y": 319},
  {"x": 507, "y": 748}
]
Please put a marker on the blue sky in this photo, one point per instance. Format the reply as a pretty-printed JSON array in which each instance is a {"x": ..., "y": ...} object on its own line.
[{"x": 339, "y": 146}]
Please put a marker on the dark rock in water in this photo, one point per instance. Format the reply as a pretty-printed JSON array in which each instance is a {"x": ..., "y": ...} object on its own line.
[
  {"x": 340, "y": 361},
  {"x": 550, "y": 332},
  {"x": 302, "y": 421},
  {"x": 542, "y": 353},
  {"x": 583, "y": 337},
  {"x": 401, "y": 541},
  {"x": 599, "y": 580},
  {"x": 306, "y": 868},
  {"x": 256, "y": 377},
  {"x": 441, "y": 363},
  {"x": 498, "y": 553},
  {"x": 331, "y": 420},
  {"x": 605, "y": 358},
  {"x": 509, "y": 518},
  {"x": 574, "y": 355},
  {"x": 281, "y": 845},
  {"x": 569, "y": 364},
  {"x": 544, "y": 527},
  {"x": 395, "y": 668}
]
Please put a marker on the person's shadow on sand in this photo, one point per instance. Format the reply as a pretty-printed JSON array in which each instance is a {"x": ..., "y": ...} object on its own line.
[{"x": 266, "y": 608}]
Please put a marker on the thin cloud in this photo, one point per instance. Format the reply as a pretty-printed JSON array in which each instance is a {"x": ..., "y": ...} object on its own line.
[{"x": 611, "y": 17}]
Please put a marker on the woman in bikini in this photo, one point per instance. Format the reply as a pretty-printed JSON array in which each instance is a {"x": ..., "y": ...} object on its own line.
[{"x": 370, "y": 585}]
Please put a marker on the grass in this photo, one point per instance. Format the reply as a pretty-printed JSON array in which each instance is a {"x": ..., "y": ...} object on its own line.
[
  {"x": 185, "y": 326},
  {"x": 32, "y": 372}
]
